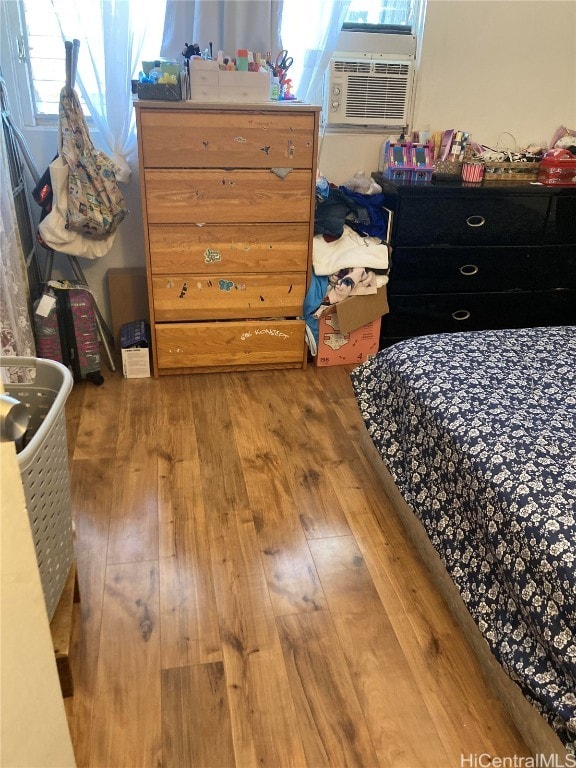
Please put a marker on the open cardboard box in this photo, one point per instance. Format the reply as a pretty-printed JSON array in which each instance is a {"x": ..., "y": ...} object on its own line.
[
  {"x": 349, "y": 333},
  {"x": 356, "y": 311}
]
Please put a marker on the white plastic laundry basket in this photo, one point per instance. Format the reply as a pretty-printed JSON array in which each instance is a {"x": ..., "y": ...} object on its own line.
[{"x": 43, "y": 463}]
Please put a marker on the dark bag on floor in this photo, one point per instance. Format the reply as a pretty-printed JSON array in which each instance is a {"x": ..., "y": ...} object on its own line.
[{"x": 65, "y": 329}]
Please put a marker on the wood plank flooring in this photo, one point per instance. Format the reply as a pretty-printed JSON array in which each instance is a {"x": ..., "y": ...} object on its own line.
[{"x": 241, "y": 605}]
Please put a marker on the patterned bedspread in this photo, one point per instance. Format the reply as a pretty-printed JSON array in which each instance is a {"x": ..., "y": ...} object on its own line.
[{"x": 479, "y": 433}]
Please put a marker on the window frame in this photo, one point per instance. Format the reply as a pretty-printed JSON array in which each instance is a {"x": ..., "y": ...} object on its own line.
[{"x": 16, "y": 47}]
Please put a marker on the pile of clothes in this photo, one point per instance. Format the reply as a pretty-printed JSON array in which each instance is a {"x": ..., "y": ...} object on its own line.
[{"x": 349, "y": 254}]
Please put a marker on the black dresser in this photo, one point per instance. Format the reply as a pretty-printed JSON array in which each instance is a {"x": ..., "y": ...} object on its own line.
[{"x": 471, "y": 257}]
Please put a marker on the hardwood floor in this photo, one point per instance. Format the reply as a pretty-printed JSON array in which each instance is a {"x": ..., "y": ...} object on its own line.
[{"x": 240, "y": 603}]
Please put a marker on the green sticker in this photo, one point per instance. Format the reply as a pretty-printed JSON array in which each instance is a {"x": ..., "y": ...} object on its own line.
[{"x": 211, "y": 255}]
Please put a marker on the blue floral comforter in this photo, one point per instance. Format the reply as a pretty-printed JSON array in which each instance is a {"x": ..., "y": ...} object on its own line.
[{"x": 479, "y": 433}]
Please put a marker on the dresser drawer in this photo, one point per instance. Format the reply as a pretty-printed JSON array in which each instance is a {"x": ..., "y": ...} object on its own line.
[
  {"x": 556, "y": 307},
  {"x": 561, "y": 227},
  {"x": 556, "y": 268},
  {"x": 223, "y": 248},
  {"x": 459, "y": 270},
  {"x": 226, "y": 140},
  {"x": 242, "y": 343},
  {"x": 221, "y": 197},
  {"x": 430, "y": 220},
  {"x": 231, "y": 296},
  {"x": 420, "y": 315}
]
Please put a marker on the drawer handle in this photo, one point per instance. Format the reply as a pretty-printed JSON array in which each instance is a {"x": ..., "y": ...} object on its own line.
[
  {"x": 475, "y": 221},
  {"x": 461, "y": 314},
  {"x": 469, "y": 269}
]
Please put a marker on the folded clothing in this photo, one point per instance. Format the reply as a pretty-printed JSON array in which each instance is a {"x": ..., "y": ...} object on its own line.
[{"x": 349, "y": 250}]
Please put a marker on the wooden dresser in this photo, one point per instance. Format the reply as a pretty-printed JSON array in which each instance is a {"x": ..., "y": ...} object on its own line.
[
  {"x": 228, "y": 194},
  {"x": 470, "y": 257}
]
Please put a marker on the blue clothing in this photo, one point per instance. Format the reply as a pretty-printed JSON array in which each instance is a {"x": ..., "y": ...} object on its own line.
[
  {"x": 374, "y": 206},
  {"x": 314, "y": 296}
]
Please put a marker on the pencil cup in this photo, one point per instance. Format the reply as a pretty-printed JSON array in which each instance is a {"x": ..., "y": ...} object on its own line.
[{"x": 473, "y": 172}]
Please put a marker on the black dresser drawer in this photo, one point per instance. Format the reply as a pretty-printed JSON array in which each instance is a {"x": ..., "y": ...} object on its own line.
[
  {"x": 553, "y": 308},
  {"x": 556, "y": 268},
  {"x": 445, "y": 313},
  {"x": 480, "y": 220},
  {"x": 460, "y": 270},
  {"x": 561, "y": 227}
]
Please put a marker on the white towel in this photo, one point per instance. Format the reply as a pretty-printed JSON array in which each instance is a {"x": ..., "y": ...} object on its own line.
[{"x": 350, "y": 250}]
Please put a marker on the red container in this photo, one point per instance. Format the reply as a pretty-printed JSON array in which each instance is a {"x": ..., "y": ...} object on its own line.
[{"x": 558, "y": 168}]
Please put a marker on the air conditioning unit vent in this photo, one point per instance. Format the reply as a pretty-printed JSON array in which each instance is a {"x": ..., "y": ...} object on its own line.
[
  {"x": 372, "y": 67},
  {"x": 352, "y": 66},
  {"x": 372, "y": 92}
]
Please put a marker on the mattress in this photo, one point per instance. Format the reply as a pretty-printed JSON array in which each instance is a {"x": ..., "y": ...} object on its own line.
[{"x": 478, "y": 430}]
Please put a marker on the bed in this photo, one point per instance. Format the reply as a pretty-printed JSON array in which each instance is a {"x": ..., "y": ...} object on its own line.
[{"x": 475, "y": 437}]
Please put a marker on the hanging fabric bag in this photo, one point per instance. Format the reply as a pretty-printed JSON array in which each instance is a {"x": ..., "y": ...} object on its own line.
[{"x": 95, "y": 202}]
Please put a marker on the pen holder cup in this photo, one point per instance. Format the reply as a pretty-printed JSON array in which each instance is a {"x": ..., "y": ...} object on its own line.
[{"x": 473, "y": 172}]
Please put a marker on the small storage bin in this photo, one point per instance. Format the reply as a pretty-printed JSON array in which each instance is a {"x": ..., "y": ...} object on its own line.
[
  {"x": 513, "y": 172},
  {"x": 43, "y": 464},
  {"x": 159, "y": 91}
]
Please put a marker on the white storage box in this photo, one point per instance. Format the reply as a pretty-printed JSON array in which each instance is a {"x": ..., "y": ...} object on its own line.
[
  {"x": 43, "y": 464},
  {"x": 244, "y": 86},
  {"x": 209, "y": 83}
]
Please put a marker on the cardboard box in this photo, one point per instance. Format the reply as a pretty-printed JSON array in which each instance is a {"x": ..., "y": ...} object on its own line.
[
  {"x": 353, "y": 348},
  {"x": 350, "y": 332},
  {"x": 357, "y": 311},
  {"x": 128, "y": 292}
]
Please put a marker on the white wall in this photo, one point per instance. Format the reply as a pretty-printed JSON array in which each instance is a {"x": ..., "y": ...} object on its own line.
[
  {"x": 501, "y": 65},
  {"x": 487, "y": 67}
]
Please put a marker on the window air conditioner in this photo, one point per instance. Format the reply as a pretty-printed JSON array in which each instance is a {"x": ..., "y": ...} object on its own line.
[
  {"x": 371, "y": 93},
  {"x": 371, "y": 89}
]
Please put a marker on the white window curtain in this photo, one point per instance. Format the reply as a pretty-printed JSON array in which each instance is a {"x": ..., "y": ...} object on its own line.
[
  {"x": 112, "y": 35},
  {"x": 227, "y": 24},
  {"x": 310, "y": 29},
  {"x": 307, "y": 28},
  {"x": 15, "y": 329}
]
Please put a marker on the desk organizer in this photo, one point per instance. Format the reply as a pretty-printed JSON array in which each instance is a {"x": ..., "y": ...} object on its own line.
[
  {"x": 159, "y": 91},
  {"x": 210, "y": 83}
]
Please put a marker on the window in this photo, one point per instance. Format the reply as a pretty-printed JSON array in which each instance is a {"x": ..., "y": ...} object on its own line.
[
  {"x": 396, "y": 14},
  {"x": 46, "y": 56},
  {"x": 312, "y": 44},
  {"x": 40, "y": 27}
]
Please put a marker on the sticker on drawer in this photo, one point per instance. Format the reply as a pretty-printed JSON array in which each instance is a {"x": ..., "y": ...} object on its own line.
[
  {"x": 266, "y": 331},
  {"x": 227, "y": 285},
  {"x": 212, "y": 255}
]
